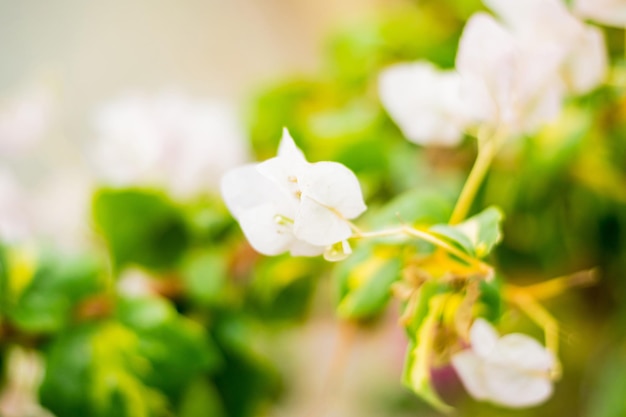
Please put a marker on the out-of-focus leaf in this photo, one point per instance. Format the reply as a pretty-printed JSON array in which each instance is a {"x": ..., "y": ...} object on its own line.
[
  {"x": 364, "y": 280},
  {"x": 478, "y": 234},
  {"x": 201, "y": 400},
  {"x": 491, "y": 303},
  {"x": 418, "y": 363},
  {"x": 422, "y": 206},
  {"x": 4, "y": 280},
  {"x": 48, "y": 299},
  {"x": 141, "y": 227},
  {"x": 205, "y": 275},
  {"x": 247, "y": 381},
  {"x": 177, "y": 348},
  {"x": 282, "y": 287},
  {"x": 65, "y": 389},
  {"x": 607, "y": 392},
  {"x": 118, "y": 374}
]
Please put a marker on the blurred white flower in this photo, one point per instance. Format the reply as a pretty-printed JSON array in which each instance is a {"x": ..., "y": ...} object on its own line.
[
  {"x": 288, "y": 204},
  {"x": 424, "y": 102},
  {"x": 170, "y": 140},
  {"x": 548, "y": 22},
  {"x": 60, "y": 208},
  {"x": 504, "y": 82},
  {"x": 513, "y": 370},
  {"x": 24, "y": 119},
  {"x": 54, "y": 211},
  {"x": 14, "y": 218},
  {"x": 608, "y": 12}
]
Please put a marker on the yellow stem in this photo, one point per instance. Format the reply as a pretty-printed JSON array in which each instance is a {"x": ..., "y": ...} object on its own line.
[
  {"x": 427, "y": 237},
  {"x": 542, "y": 318},
  {"x": 555, "y": 286},
  {"x": 487, "y": 148}
]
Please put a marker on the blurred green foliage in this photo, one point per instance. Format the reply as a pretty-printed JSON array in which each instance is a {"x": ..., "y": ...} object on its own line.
[{"x": 193, "y": 343}]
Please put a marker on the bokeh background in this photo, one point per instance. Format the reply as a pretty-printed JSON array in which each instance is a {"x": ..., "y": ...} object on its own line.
[{"x": 131, "y": 292}]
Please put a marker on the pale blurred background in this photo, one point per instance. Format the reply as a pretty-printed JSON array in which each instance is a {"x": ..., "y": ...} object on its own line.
[{"x": 97, "y": 49}]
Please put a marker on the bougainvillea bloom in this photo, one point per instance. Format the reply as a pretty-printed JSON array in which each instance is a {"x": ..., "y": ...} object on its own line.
[
  {"x": 424, "y": 102},
  {"x": 288, "y": 204},
  {"x": 513, "y": 370}
]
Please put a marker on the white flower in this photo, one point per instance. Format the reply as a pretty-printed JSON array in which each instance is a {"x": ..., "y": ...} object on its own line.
[
  {"x": 424, "y": 102},
  {"x": 503, "y": 81},
  {"x": 513, "y": 370},
  {"x": 56, "y": 210},
  {"x": 24, "y": 119},
  {"x": 14, "y": 219},
  {"x": 288, "y": 204},
  {"x": 169, "y": 140},
  {"x": 608, "y": 12},
  {"x": 548, "y": 22}
]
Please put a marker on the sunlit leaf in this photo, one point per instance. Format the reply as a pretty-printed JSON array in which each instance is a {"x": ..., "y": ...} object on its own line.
[
  {"x": 477, "y": 235},
  {"x": 364, "y": 281},
  {"x": 141, "y": 227},
  {"x": 419, "y": 359}
]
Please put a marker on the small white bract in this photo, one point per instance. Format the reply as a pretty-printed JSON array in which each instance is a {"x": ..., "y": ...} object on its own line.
[
  {"x": 424, "y": 102},
  {"x": 512, "y": 371},
  {"x": 580, "y": 47},
  {"x": 288, "y": 204},
  {"x": 607, "y": 12},
  {"x": 504, "y": 82}
]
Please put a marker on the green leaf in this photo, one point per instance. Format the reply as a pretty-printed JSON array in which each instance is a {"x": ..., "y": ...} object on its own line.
[
  {"x": 417, "y": 367},
  {"x": 4, "y": 280},
  {"x": 141, "y": 227},
  {"x": 176, "y": 347},
  {"x": 59, "y": 283},
  {"x": 201, "y": 400},
  {"x": 283, "y": 287},
  {"x": 606, "y": 397},
  {"x": 205, "y": 275},
  {"x": 365, "y": 280},
  {"x": 247, "y": 381},
  {"x": 67, "y": 377},
  {"x": 477, "y": 235},
  {"x": 417, "y": 206}
]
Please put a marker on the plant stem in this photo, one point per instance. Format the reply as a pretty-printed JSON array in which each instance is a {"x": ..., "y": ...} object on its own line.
[
  {"x": 427, "y": 237},
  {"x": 486, "y": 151}
]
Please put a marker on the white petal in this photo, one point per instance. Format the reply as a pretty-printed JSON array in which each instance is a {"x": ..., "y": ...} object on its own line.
[
  {"x": 424, "y": 102},
  {"x": 318, "y": 225},
  {"x": 244, "y": 188},
  {"x": 483, "y": 337},
  {"x": 302, "y": 248},
  {"x": 588, "y": 63},
  {"x": 484, "y": 61},
  {"x": 469, "y": 368},
  {"x": 264, "y": 233},
  {"x": 541, "y": 19},
  {"x": 522, "y": 351},
  {"x": 288, "y": 149},
  {"x": 285, "y": 173},
  {"x": 517, "y": 373},
  {"x": 608, "y": 12},
  {"x": 333, "y": 185},
  {"x": 286, "y": 168}
]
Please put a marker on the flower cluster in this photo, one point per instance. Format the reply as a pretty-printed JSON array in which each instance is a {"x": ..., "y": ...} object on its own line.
[
  {"x": 289, "y": 204},
  {"x": 511, "y": 74}
]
